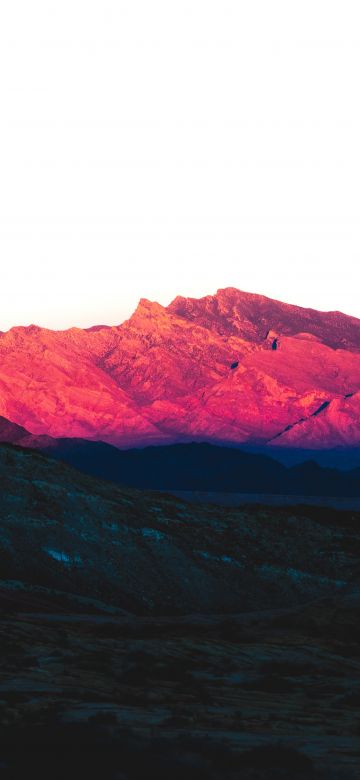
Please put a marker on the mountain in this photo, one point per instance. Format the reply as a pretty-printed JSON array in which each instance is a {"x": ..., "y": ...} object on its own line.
[
  {"x": 233, "y": 367},
  {"x": 197, "y": 466},
  {"x": 10, "y": 433},
  {"x": 204, "y": 467}
]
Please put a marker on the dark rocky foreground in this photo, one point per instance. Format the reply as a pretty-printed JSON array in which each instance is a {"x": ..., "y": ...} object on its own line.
[
  {"x": 255, "y": 696},
  {"x": 143, "y": 637}
]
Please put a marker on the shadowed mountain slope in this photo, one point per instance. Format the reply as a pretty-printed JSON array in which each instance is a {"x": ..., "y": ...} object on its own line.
[
  {"x": 198, "y": 466},
  {"x": 142, "y": 636},
  {"x": 150, "y": 553},
  {"x": 204, "y": 467}
]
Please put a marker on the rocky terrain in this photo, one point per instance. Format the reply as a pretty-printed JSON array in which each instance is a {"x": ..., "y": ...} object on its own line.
[
  {"x": 255, "y": 696},
  {"x": 150, "y": 553},
  {"x": 142, "y": 636},
  {"x": 232, "y": 367}
]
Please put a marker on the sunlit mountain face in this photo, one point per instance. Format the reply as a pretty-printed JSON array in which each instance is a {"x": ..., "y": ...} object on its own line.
[{"x": 231, "y": 368}]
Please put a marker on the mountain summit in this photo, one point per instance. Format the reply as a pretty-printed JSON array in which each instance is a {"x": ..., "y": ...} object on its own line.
[{"x": 231, "y": 367}]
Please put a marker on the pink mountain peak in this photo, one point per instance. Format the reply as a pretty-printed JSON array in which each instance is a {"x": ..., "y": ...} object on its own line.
[{"x": 233, "y": 366}]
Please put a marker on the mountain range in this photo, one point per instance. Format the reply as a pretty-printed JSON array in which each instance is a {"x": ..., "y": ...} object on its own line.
[
  {"x": 232, "y": 368},
  {"x": 201, "y": 468}
]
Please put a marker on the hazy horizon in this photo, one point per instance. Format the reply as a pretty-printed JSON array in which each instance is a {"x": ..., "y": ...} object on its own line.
[{"x": 157, "y": 149}]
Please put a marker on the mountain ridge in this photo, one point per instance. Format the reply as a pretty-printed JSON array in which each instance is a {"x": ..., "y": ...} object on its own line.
[
  {"x": 233, "y": 367},
  {"x": 197, "y": 466}
]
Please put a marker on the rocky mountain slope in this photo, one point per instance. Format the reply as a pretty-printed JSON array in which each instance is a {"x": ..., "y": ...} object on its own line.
[
  {"x": 231, "y": 367},
  {"x": 151, "y": 553},
  {"x": 10, "y": 433},
  {"x": 141, "y": 636}
]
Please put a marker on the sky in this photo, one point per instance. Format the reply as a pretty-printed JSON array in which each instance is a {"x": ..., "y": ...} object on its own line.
[{"x": 154, "y": 149}]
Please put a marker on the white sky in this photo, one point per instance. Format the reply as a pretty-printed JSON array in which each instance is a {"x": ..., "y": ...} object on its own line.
[{"x": 150, "y": 148}]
